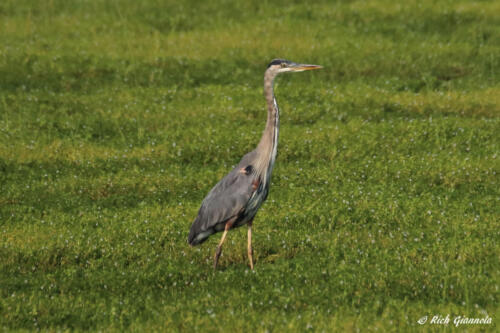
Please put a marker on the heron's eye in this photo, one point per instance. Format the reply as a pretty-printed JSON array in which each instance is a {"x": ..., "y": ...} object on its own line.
[{"x": 283, "y": 65}]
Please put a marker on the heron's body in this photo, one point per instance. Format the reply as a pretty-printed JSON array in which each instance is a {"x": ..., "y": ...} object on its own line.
[
  {"x": 218, "y": 207},
  {"x": 236, "y": 198}
]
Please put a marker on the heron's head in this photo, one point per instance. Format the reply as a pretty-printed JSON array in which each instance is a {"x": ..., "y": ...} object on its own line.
[{"x": 281, "y": 66}]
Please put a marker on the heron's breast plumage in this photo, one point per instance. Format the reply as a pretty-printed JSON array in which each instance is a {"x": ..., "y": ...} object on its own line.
[{"x": 256, "y": 200}]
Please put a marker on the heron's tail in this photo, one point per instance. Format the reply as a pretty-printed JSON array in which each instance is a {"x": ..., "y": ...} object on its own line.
[{"x": 196, "y": 234}]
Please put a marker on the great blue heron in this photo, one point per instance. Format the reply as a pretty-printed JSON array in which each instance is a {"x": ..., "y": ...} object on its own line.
[{"x": 236, "y": 198}]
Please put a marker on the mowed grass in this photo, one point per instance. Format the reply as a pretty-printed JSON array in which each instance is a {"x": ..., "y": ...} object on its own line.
[{"x": 117, "y": 117}]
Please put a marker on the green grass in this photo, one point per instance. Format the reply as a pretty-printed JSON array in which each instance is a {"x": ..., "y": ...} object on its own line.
[{"x": 117, "y": 117}]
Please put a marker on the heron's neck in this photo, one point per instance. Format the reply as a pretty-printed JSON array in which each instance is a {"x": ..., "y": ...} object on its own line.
[{"x": 268, "y": 145}]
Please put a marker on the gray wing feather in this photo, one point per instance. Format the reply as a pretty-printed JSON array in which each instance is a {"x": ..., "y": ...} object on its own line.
[{"x": 227, "y": 199}]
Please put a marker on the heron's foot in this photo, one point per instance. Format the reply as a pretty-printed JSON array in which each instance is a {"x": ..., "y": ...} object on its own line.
[{"x": 217, "y": 255}]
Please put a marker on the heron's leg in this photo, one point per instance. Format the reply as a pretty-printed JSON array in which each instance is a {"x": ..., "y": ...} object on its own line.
[
  {"x": 219, "y": 247},
  {"x": 250, "y": 249}
]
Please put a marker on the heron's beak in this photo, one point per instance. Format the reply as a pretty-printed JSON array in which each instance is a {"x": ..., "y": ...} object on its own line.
[{"x": 303, "y": 67}]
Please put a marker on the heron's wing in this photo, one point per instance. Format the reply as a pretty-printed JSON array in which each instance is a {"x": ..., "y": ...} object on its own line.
[{"x": 227, "y": 199}]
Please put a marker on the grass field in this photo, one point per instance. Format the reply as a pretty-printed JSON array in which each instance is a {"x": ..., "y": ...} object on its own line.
[{"x": 117, "y": 117}]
